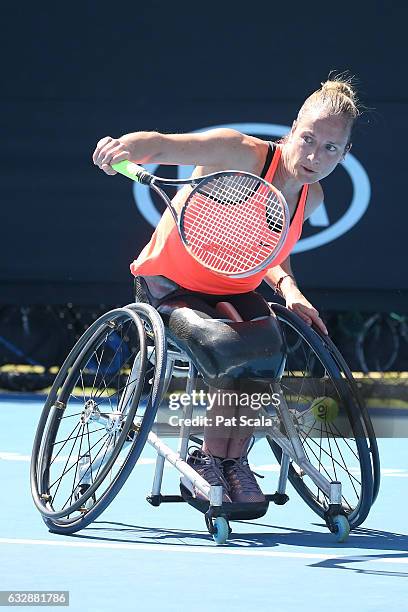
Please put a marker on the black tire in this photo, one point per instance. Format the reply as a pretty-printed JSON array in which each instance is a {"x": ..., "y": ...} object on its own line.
[
  {"x": 340, "y": 442},
  {"x": 370, "y": 434},
  {"x": 114, "y": 394}
]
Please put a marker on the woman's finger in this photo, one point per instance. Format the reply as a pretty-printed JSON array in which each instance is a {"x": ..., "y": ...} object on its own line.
[
  {"x": 308, "y": 314},
  {"x": 101, "y": 143},
  {"x": 322, "y": 326},
  {"x": 108, "y": 169},
  {"x": 111, "y": 152},
  {"x": 105, "y": 150},
  {"x": 120, "y": 157},
  {"x": 319, "y": 323},
  {"x": 302, "y": 314}
]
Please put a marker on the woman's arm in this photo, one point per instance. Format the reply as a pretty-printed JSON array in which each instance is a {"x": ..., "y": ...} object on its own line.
[
  {"x": 220, "y": 148},
  {"x": 281, "y": 279}
]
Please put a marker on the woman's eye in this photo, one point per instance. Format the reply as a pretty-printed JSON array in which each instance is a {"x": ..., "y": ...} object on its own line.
[
  {"x": 331, "y": 148},
  {"x": 308, "y": 139}
]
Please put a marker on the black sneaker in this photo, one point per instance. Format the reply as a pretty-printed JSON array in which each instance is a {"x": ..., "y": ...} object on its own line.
[{"x": 209, "y": 468}]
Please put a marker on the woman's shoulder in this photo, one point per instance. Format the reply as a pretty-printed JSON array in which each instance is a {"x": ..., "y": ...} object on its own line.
[{"x": 239, "y": 152}]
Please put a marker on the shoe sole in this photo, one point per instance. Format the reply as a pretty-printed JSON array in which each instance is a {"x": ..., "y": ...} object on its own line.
[
  {"x": 234, "y": 511},
  {"x": 189, "y": 487}
]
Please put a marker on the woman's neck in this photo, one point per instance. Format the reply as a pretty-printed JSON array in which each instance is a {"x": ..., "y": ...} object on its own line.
[{"x": 284, "y": 179}]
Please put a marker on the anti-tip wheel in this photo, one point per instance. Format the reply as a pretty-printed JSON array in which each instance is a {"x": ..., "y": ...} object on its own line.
[
  {"x": 342, "y": 528},
  {"x": 222, "y": 530}
]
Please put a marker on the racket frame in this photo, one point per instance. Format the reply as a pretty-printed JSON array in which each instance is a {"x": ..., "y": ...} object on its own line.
[{"x": 140, "y": 175}]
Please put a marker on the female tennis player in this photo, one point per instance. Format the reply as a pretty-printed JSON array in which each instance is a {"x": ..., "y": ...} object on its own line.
[{"x": 319, "y": 139}]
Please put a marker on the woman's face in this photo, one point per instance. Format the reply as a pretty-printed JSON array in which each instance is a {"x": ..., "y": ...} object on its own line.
[{"x": 317, "y": 143}]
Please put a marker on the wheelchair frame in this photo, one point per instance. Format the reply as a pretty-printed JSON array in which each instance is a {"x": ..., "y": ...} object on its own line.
[{"x": 283, "y": 436}]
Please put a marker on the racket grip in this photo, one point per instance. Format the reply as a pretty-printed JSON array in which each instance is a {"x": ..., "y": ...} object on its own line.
[{"x": 133, "y": 171}]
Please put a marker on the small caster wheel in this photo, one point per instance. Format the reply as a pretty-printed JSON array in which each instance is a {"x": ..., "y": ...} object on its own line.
[
  {"x": 221, "y": 530},
  {"x": 341, "y": 528}
]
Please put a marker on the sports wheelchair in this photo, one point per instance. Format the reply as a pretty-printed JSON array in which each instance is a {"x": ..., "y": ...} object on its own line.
[{"x": 109, "y": 398}]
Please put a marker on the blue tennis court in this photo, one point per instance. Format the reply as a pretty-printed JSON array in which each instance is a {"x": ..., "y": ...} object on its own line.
[
  {"x": 204, "y": 198},
  {"x": 137, "y": 556}
]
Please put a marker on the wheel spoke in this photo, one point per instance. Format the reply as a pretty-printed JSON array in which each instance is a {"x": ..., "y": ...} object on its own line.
[
  {"x": 308, "y": 376},
  {"x": 344, "y": 468},
  {"x": 67, "y": 461},
  {"x": 65, "y": 441},
  {"x": 72, "y": 466},
  {"x": 99, "y": 378}
]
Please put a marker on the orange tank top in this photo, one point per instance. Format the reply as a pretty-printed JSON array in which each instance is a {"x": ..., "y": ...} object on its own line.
[{"x": 166, "y": 255}]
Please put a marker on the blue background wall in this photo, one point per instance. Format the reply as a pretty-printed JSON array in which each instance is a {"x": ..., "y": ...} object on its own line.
[{"x": 75, "y": 74}]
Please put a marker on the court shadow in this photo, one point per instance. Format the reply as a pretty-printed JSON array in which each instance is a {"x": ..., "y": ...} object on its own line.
[
  {"x": 138, "y": 534},
  {"x": 375, "y": 540},
  {"x": 360, "y": 538},
  {"x": 343, "y": 563}
]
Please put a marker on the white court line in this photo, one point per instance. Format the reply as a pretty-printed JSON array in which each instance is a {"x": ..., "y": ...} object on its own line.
[
  {"x": 268, "y": 467},
  {"x": 214, "y": 550},
  {"x": 7, "y": 456}
]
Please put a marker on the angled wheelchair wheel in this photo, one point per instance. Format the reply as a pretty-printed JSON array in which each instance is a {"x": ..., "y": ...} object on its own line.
[
  {"x": 368, "y": 426},
  {"x": 330, "y": 419},
  {"x": 98, "y": 416}
]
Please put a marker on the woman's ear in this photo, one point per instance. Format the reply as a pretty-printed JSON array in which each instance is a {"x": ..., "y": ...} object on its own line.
[
  {"x": 347, "y": 149},
  {"x": 292, "y": 129}
]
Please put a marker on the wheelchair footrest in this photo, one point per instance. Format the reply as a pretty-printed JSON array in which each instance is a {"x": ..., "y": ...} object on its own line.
[
  {"x": 156, "y": 500},
  {"x": 278, "y": 498},
  {"x": 231, "y": 511}
]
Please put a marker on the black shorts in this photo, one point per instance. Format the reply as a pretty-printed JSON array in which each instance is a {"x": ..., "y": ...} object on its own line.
[{"x": 161, "y": 292}]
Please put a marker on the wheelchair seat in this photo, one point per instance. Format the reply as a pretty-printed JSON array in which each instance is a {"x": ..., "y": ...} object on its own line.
[{"x": 227, "y": 353}]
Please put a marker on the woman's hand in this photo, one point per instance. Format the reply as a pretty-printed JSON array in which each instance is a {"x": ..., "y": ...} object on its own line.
[
  {"x": 297, "y": 302},
  {"x": 110, "y": 151}
]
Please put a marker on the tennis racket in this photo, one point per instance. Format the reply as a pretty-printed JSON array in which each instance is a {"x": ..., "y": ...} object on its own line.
[{"x": 232, "y": 222}]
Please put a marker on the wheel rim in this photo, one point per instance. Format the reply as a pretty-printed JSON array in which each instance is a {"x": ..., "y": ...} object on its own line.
[
  {"x": 338, "y": 449},
  {"x": 100, "y": 400}
]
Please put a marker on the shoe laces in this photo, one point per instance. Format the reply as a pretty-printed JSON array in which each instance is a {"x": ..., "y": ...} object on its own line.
[
  {"x": 209, "y": 466},
  {"x": 241, "y": 467}
]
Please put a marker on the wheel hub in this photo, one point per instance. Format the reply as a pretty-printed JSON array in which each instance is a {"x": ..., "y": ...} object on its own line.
[
  {"x": 91, "y": 412},
  {"x": 114, "y": 422}
]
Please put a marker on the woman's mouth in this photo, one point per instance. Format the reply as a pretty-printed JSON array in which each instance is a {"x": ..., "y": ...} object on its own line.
[{"x": 308, "y": 170}]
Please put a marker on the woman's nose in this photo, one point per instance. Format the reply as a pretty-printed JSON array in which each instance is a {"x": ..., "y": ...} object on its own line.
[{"x": 314, "y": 158}]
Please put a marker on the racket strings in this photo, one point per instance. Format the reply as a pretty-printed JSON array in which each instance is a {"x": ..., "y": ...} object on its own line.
[
  {"x": 249, "y": 191},
  {"x": 225, "y": 192},
  {"x": 233, "y": 223},
  {"x": 248, "y": 188},
  {"x": 223, "y": 235},
  {"x": 224, "y": 246},
  {"x": 244, "y": 193}
]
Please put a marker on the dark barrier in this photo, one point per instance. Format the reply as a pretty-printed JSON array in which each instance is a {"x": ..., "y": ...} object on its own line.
[{"x": 69, "y": 232}]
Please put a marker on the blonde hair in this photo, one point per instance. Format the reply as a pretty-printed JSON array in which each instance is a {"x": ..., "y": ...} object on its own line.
[{"x": 337, "y": 96}]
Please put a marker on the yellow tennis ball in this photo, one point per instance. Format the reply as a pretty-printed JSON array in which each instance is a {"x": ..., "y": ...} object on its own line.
[{"x": 325, "y": 409}]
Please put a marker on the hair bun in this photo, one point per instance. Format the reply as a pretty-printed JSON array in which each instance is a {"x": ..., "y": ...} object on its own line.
[
  {"x": 337, "y": 96},
  {"x": 340, "y": 87}
]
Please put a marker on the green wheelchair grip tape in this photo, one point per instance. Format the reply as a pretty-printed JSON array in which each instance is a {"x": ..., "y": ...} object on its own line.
[{"x": 129, "y": 169}]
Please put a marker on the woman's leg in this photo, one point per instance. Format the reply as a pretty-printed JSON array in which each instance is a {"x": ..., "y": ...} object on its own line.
[
  {"x": 219, "y": 426},
  {"x": 245, "y": 307},
  {"x": 228, "y": 431}
]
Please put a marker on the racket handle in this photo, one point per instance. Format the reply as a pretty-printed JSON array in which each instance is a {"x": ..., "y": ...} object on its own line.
[{"x": 133, "y": 171}]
